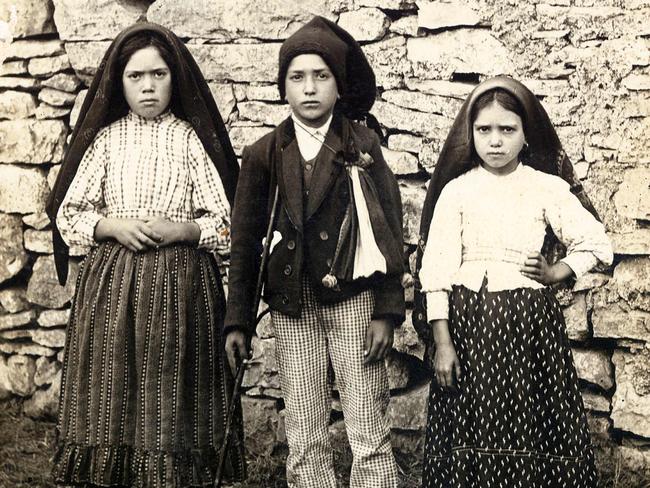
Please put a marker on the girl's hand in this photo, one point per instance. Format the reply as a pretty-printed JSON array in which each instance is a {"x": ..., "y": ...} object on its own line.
[
  {"x": 537, "y": 268},
  {"x": 172, "y": 232},
  {"x": 133, "y": 234},
  {"x": 379, "y": 340},
  {"x": 446, "y": 365}
]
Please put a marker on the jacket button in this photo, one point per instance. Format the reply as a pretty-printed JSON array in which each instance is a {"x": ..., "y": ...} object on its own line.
[
  {"x": 291, "y": 245},
  {"x": 287, "y": 270},
  {"x": 324, "y": 235},
  {"x": 285, "y": 299}
]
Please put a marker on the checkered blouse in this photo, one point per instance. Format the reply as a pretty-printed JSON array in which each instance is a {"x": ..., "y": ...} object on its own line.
[{"x": 139, "y": 168}]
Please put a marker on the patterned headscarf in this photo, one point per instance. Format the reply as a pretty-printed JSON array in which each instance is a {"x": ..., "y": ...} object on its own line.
[
  {"x": 457, "y": 157},
  {"x": 194, "y": 103}
]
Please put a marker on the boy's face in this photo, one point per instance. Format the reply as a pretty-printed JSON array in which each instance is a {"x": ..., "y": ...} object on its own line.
[
  {"x": 311, "y": 89},
  {"x": 147, "y": 83}
]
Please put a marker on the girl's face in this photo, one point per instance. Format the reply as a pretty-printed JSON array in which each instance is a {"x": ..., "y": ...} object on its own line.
[
  {"x": 147, "y": 83},
  {"x": 498, "y": 138},
  {"x": 310, "y": 89}
]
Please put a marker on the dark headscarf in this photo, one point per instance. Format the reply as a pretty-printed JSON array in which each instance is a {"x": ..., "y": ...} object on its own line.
[
  {"x": 457, "y": 157},
  {"x": 103, "y": 105},
  {"x": 355, "y": 78}
]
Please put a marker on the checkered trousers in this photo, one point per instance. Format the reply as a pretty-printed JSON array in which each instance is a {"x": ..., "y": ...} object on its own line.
[{"x": 304, "y": 348}]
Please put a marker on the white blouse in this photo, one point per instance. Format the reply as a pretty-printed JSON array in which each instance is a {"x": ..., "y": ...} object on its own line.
[
  {"x": 486, "y": 225},
  {"x": 140, "y": 168}
]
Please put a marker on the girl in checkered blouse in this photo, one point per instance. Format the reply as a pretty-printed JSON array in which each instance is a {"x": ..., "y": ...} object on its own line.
[
  {"x": 146, "y": 185},
  {"x": 505, "y": 408}
]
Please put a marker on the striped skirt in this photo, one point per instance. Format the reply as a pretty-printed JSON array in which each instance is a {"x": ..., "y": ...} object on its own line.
[
  {"x": 145, "y": 384},
  {"x": 517, "y": 418}
]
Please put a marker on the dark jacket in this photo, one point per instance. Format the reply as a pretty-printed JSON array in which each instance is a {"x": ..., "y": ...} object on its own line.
[{"x": 309, "y": 235}]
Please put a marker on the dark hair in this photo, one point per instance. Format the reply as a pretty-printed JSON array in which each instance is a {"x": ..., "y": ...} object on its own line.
[
  {"x": 506, "y": 100},
  {"x": 142, "y": 40}
]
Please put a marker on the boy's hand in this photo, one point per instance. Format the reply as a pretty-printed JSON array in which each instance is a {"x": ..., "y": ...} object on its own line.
[
  {"x": 237, "y": 346},
  {"x": 133, "y": 234},
  {"x": 537, "y": 268},
  {"x": 379, "y": 340}
]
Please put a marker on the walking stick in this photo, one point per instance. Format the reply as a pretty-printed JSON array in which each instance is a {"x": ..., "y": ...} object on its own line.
[{"x": 242, "y": 365}]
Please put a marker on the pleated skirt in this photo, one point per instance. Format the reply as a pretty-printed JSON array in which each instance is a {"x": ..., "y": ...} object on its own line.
[
  {"x": 517, "y": 419},
  {"x": 145, "y": 384}
]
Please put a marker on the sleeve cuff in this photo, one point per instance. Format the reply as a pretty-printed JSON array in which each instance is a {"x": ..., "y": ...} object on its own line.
[
  {"x": 85, "y": 229},
  {"x": 213, "y": 237},
  {"x": 580, "y": 262},
  {"x": 437, "y": 305}
]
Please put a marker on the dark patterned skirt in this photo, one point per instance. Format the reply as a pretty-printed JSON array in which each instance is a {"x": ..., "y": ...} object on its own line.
[
  {"x": 145, "y": 384},
  {"x": 517, "y": 419}
]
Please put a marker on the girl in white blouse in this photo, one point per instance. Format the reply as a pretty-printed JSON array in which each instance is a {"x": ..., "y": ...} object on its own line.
[
  {"x": 505, "y": 408},
  {"x": 145, "y": 189}
]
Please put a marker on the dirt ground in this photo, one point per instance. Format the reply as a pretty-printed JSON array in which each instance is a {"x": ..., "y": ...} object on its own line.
[{"x": 26, "y": 446}]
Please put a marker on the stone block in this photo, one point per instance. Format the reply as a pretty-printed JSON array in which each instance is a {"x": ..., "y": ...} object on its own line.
[
  {"x": 237, "y": 62},
  {"x": 422, "y": 102},
  {"x": 262, "y": 370},
  {"x": 52, "y": 175},
  {"x": 413, "y": 195},
  {"x": 268, "y": 93},
  {"x": 18, "y": 374},
  {"x": 458, "y": 51},
  {"x": 589, "y": 281},
  {"x": 34, "y": 48},
  {"x": 31, "y": 141},
  {"x": 224, "y": 96},
  {"x": 12, "y": 255},
  {"x": 442, "y": 15},
  {"x": 575, "y": 316},
  {"x": 13, "y": 320},
  {"x": 405, "y": 142},
  {"x": 13, "y": 68},
  {"x": 365, "y": 24},
  {"x": 261, "y": 425},
  {"x": 38, "y": 221},
  {"x": 63, "y": 82},
  {"x": 16, "y": 105},
  {"x": 95, "y": 20},
  {"x": 631, "y": 402},
  {"x": 53, "y": 318},
  {"x": 400, "y": 162},
  {"x": 45, "y": 111},
  {"x": 26, "y": 349},
  {"x": 57, "y": 98},
  {"x": 388, "y": 60},
  {"x": 632, "y": 200},
  {"x": 632, "y": 282},
  {"x": 13, "y": 299},
  {"x": 44, "y": 403},
  {"x": 28, "y": 17},
  {"x": 453, "y": 89},
  {"x": 594, "y": 367},
  {"x": 16, "y": 334},
  {"x": 620, "y": 321},
  {"x": 595, "y": 402},
  {"x": 85, "y": 57},
  {"x": 397, "y": 367},
  {"x": 634, "y": 242},
  {"x": 33, "y": 187},
  {"x": 76, "y": 109},
  {"x": 44, "y": 67},
  {"x": 405, "y": 26},
  {"x": 263, "y": 113},
  {"x": 39, "y": 241},
  {"x": 408, "y": 411},
  {"x": 227, "y": 21},
  {"x": 387, "y": 4},
  {"x": 19, "y": 82},
  {"x": 44, "y": 289},
  {"x": 420, "y": 123},
  {"x": 46, "y": 371},
  {"x": 430, "y": 152},
  {"x": 54, "y": 338}
]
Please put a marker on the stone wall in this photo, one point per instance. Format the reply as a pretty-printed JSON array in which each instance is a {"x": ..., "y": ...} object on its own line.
[{"x": 588, "y": 60}]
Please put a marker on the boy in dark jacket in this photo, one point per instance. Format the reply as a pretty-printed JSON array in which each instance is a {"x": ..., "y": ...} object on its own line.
[{"x": 333, "y": 275}]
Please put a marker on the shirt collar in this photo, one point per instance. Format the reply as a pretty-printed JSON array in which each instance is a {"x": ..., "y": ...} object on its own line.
[
  {"x": 167, "y": 114},
  {"x": 302, "y": 129}
]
